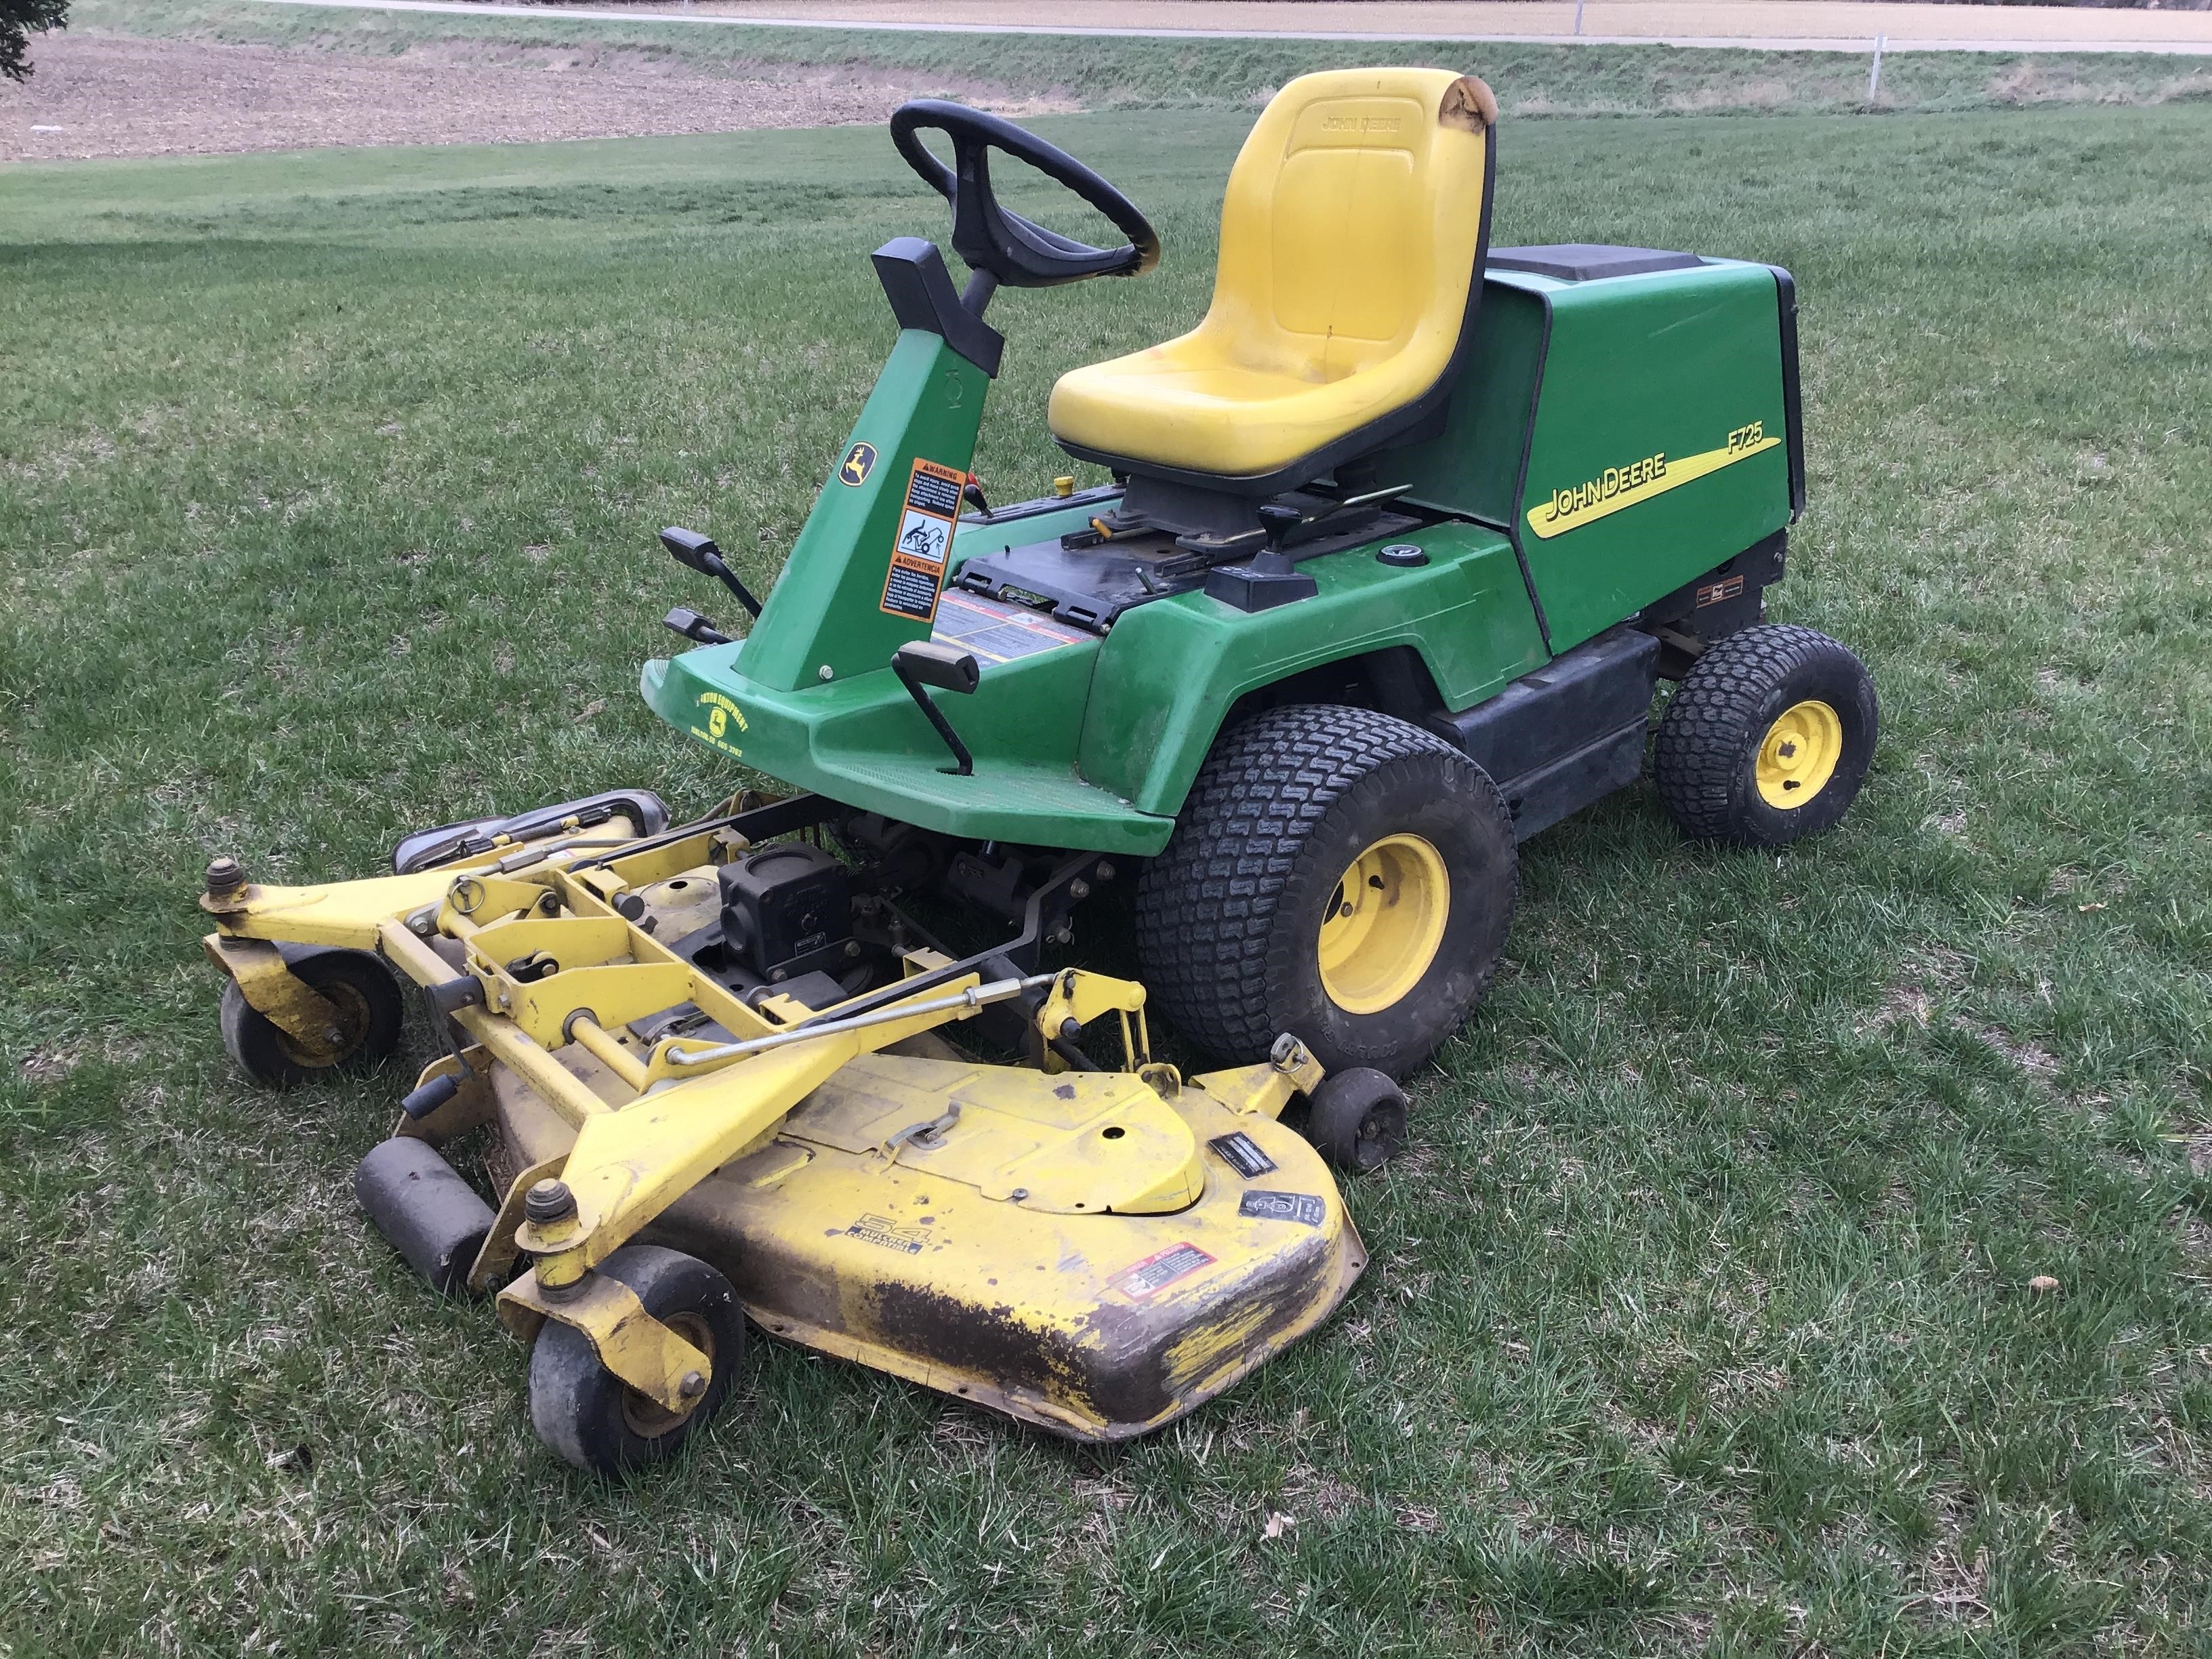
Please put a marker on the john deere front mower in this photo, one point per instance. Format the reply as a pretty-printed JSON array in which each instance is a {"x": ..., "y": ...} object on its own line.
[{"x": 1400, "y": 543}]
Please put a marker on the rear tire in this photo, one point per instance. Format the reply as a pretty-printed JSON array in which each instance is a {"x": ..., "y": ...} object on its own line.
[
  {"x": 1767, "y": 739},
  {"x": 592, "y": 1417},
  {"x": 1322, "y": 815},
  {"x": 370, "y": 1015}
]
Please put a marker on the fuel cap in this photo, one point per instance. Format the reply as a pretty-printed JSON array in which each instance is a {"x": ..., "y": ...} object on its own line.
[{"x": 1404, "y": 555}]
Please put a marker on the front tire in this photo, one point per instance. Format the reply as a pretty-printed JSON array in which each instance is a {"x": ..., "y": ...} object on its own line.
[
  {"x": 1767, "y": 739},
  {"x": 592, "y": 1417},
  {"x": 370, "y": 1015},
  {"x": 1336, "y": 873}
]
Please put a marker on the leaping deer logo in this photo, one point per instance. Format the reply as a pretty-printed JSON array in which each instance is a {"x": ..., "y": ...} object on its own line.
[{"x": 859, "y": 461}]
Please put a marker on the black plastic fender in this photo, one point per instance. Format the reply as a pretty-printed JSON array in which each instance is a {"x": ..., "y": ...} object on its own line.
[{"x": 426, "y": 849}]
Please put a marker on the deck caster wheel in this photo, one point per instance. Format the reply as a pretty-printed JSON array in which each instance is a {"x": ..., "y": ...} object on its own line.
[
  {"x": 1357, "y": 1120},
  {"x": 1336, "y": 872},
  {"x": 594, "y": 1419},
  {"x": 1767, "y": 739},
  {"x": 370, "y": 1015}
]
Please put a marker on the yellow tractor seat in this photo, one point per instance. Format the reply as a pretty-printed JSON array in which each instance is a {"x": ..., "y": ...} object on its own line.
[{"x": 1352, "y": 237}]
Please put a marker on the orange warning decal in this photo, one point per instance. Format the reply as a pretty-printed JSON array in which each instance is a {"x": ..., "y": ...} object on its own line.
[{"x": 924, "y": 540}]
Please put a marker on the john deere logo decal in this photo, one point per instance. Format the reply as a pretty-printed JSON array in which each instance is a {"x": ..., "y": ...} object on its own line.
[
  {"x": 1586, "y": 502},
  {"x": 859, "y": 461}
]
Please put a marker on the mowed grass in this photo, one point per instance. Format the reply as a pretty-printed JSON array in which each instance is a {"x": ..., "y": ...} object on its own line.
[{"x": 1700, "y": 1318}]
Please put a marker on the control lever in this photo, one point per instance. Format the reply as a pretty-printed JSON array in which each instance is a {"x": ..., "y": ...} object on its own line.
[
  {"x": 1271, "y": 578},
  {"x": 693, "y": 627},
  {"x": 919, "y": 663},
  {"x": 689, "y": 547}
]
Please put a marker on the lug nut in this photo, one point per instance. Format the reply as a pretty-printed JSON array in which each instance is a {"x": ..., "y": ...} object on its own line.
[
  {"x": 549, "y": 1201},
  {"x": 225, "y": 876},
  {"x": 691, "y": 1386}
]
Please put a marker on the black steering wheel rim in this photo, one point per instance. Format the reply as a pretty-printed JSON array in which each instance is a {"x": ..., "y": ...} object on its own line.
[{"x": 1017, "y": 252}]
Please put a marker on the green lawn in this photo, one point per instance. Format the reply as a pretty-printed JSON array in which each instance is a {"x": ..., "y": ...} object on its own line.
[{"x": 1699, "y": 1319}]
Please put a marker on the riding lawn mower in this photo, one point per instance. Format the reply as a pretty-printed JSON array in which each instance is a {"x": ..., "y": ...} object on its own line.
[{"x": 1398, "y": 543}]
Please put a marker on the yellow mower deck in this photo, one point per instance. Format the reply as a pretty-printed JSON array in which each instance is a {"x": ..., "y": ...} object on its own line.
[
  {"x": 1093, "y": 1252},
  {"x": 1088, "y": 1322}
]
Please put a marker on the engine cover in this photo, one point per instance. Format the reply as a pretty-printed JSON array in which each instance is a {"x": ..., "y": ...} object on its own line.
[{"x": 784, "y": 901}]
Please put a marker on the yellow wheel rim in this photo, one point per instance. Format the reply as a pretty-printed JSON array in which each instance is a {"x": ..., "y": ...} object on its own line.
[
  {"x": 1383, "y": 924},
  {"x": 1798, "y": 755}
]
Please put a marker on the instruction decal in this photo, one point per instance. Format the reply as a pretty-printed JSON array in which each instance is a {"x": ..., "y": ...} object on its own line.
[
  {"x": 859, "y": 461},
  {"x": 1242, "y": 1153},
  {"x": 1303, "y": 1208},
  {"x": 924, "y": 536},
  {"x": 1159, "y": 1270},
  {"x": 881, "y": 1230}
]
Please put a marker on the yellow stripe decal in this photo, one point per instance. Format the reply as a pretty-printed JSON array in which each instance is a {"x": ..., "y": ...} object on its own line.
[{"x": 1617, "y": 487}]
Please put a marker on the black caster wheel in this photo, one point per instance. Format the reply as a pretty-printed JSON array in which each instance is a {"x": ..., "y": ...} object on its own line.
[
  {"x": 591, "y": 1417},
  {"x": 1357, "y": 1120},
  {"x": 370, "y": 1014}
]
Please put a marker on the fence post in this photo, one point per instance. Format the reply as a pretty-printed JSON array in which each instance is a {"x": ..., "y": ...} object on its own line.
[{"x": 1873, "y": 74}]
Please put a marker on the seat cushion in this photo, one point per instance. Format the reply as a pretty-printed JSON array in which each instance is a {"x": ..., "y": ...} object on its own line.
[{"x": 1349, "y": 234}]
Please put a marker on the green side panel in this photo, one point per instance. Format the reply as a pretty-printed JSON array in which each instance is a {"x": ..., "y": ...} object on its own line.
[
  {"x": 1659, "y": 449},
  {"x": 1472, "y": 468},
  {"x": 826, "y": 609},
  {"x": 861, "y": 741},
  {"x": 1170, "y": 670}
]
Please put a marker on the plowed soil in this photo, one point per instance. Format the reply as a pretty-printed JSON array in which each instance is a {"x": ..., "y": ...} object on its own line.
[{"x": 96, "y": 96}]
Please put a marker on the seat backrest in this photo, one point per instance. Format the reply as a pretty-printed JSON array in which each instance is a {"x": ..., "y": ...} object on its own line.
[{"x": 1354, "y": 218}]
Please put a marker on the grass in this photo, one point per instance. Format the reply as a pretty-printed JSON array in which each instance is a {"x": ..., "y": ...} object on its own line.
[
  {"x": 1700, "y": 1318},
  {"x": 1106, "y": 74}
]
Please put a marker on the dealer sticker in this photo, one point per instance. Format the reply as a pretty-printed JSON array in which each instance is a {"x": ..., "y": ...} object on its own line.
[
  {"x": 1301, "y": 1208},
  {"x": 1158, "y": 1271},
  {"x": 924, "y": 536}
]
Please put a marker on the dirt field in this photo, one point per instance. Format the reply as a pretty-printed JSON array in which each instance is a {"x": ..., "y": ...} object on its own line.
[
  {"x": 281, "y": 78},
  {"x": 95, "y": 97},
  {"x": 1905, "y": 24}
]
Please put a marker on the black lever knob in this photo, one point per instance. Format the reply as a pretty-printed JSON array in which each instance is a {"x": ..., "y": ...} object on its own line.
[
  {"x": 699, "y": 553},
  {"x": 1277, "y": 521},
  {"x": 693, "y": 626}
]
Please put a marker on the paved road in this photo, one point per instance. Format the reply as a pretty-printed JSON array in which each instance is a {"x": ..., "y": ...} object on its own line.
[{"x": 1754, "y": 25}]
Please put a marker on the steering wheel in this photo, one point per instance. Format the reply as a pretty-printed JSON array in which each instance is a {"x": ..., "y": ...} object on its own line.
[{"x": 1016, "y": 251}]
